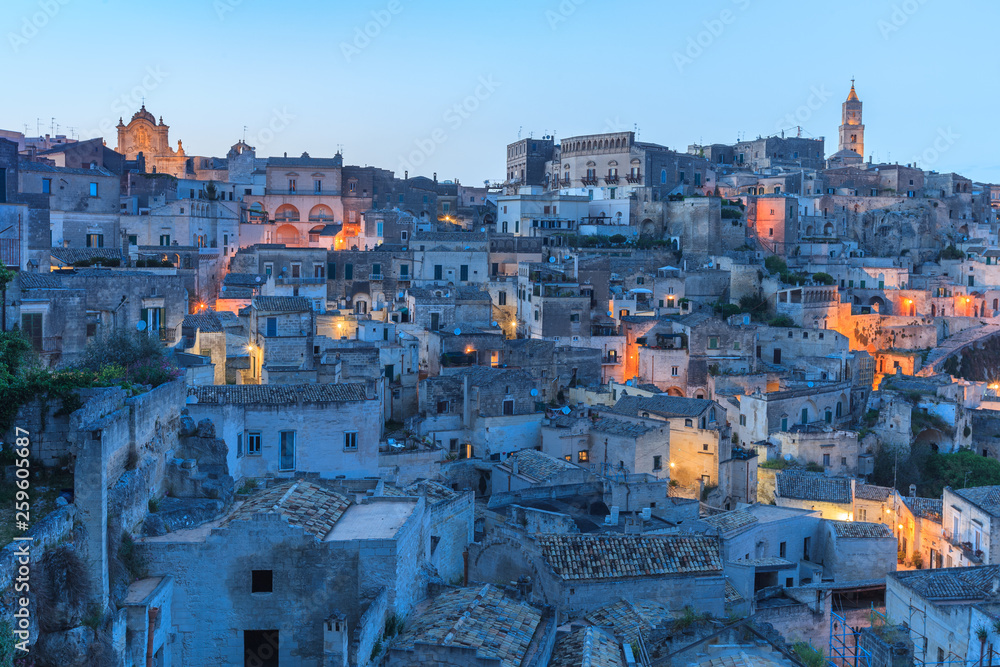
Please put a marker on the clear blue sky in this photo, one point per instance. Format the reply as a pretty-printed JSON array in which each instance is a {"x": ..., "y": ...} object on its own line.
[{"x": 209, "y": 67}]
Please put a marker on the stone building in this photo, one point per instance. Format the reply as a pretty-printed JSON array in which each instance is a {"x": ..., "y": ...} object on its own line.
[
  {"x": 302, "y": 575},
  {"x": 970, "y": 523},
  {"x": 282, "y": 430},
  {"x": 832, "y": 497},
  {"x": 673, "y": 570}
]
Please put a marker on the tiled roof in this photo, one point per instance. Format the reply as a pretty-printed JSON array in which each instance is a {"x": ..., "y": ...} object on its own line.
[
  {"x": 484, "y": 375},
  {"x": 588, "y": 646},
  {"x": 862, "y": 529},
  {"x": 732, "y": 520},
  {"x": 481, "y": 618},
  {"x": 244, "y": 280},
  {"x": 29, "y": 280},
  {"x": 294, "y": 304},
  {"x": 766, "y": 561},
  {"x": 871, "y": 492},
  {"x": 620, "y": 427},
  {"x": 536, "y": 465},
  {"x": 952, "y": 583},
  {"x": 308, "y": 506},
  {"x": 206, "y": 322},
  {"x": 631, "y": 618},
  {"x": 987, "y": 498},
  {"x": 665, "y": 406},
  {"x": 70, "y": 255},
  {"x": 27, "y": 165},
  {"x": 433, "y": 491},
  {"x": 926, "y": 508},
  {"x": 813, "y": 486},
  {"x": 277, "y": 394},
  {"x": 621, "y": 556}
]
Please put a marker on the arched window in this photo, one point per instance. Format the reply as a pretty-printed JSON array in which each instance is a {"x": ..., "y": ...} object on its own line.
[
  {"x": 840, "y": 409},
  {"x": 663, "y": 176},
  {"x": 711, "y": 415}
]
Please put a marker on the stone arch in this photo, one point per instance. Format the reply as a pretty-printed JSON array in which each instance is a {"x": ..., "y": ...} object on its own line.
[
  {"x": 287, "y": 234},
  {"x": 321, "y": 213},
  {"x": 286, "y": 213},
  {"x": 675, "y": 391},
  {"x": 828, "y": 229},
  {"x": 647, "y": 228}
]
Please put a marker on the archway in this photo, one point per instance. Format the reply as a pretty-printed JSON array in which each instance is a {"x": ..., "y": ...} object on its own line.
[
  {"x": 287, "y": 235},
  {"x": 286, "y": 213},
  {"x": 321, "y": 213},
  {"x": 675, "y": 391}
]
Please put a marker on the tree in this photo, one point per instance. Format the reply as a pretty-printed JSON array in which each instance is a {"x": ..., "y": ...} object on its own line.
[
  {"x": 782, "y": 321},
  {"x": 775, "y": 264},
  {"x": 824, "y": 278},
  {"x": 6, "y": 275}
]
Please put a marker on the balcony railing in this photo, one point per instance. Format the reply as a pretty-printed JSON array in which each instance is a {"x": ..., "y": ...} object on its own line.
[
  {"x": 634, "y": 178},
  {"x": 609, "y": 359},
  {"x": 587, "y": 180},
  {"x": 288, "y": 280},
  {"x": 611, "y": 179},
  {"x": 376, "y": 276}
]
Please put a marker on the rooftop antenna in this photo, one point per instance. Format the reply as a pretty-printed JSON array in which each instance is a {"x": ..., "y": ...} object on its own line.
[
  {"x": 244, "y": 134},
  {"x": 38, "y": 126},
  {"x": 799, "y": 133},
  {"x": 52, "y": 127},
  {"x": 636, "y": 127},
  {"x": 519, "y": 131},
  {"x": 72, "y": 131}
]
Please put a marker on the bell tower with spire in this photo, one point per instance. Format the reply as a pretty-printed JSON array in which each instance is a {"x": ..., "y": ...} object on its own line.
[{"x": 852, "y": 131}]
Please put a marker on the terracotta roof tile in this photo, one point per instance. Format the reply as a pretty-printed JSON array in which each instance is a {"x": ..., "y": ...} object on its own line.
[{"x": 626, "y": 556}]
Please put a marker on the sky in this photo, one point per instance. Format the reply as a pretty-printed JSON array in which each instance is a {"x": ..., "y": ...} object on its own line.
[{"x": 444, "y": 86}]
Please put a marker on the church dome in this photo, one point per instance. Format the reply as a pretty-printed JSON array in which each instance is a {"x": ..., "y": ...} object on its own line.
[{"x": 142, "y": 113}]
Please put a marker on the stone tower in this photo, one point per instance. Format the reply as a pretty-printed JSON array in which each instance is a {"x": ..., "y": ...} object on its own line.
[{"x": 852, "y": 131}]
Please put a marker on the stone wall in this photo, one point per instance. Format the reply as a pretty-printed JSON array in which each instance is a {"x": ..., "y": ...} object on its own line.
[{"x": 369, "y": 629}]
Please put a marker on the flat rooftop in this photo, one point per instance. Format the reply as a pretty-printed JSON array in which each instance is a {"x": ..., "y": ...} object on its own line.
[{"x": 372, "y": 520}]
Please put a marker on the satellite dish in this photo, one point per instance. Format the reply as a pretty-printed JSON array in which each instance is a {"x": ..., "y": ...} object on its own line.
[
  {"x": 552, "y": 260},
  {"x": 566, "y": 410},
  {"x": 809, "y": 384},
  {"x": 392, "y": 442},
  {"x": 629, "y": 383},
  {"x": 494, "y": 324},
  {"x": 256, "y": 279},
  {"x": 482, "y": 229},
  {"x": 534, "y": 392},
  {"x": 788, "y": 457},
  {"x": 140, "y": 325},
  {"x": 458, "y": 332}
]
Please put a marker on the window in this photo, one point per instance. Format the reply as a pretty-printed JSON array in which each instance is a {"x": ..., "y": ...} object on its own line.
[
  {"x": 318, "y": 271},
  {"x": 713, "y": 343},
  {"x": 239, "y": 445},
  {"x": 438, "y": 272},
  {"x": 508, "y": 406},
  {"x": 93, "y": 189},
  {"x": 318, "y": 185},
  {"x": 31, "y": 326},
  {"x": 673, "y": 371},
  {"x": 688, "y": 422},
  {"x": 348, "y": 272},
  {"x": 286, "y": 459},
  {"x": 296, "y": 270},
  {"x": 291, "y": 185},
  {"x": 704, "y": 448},
  {"x": 268, "y": 268},
  {"x": 46, "y": 186},
  {"x": 253, "y": 443},
  {"x": 826, "y": 460},
  {"x": 502, "y": 299},
  {"x": 95, "y": 240},
  {"x": 575, "y": 317},
  {"x": 782, "y": 549},
  {"x": 350, "y": 441},
  {"x": 657, "y": 463},
  {"x": 805, "y": 548},
  {"x": 376, "y": 269},
  {"x": 463, "y": 272},
  {"x": 442, "y": 407},
  {"x": 582, "y": 456},
  {"x": 261, "y": 581},
  {"x": 862, "y": 514},
  {"x": 164, "y": 239},
  {"x": 743, "y": 420}
]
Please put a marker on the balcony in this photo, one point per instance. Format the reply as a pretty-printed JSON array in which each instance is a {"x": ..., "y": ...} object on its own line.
[
  {"x": 969, "y": 553},
  {"x": 287, "y": 280},
  {"x": 610, "y": 360},
  {"x": 375, "y": 276},
  {"x": 634, "y": 179},
  {"x": 589, "y": 180},
  {"x": 611, "y": 179}
]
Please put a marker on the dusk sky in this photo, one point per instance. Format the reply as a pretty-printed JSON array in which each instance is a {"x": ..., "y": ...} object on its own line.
[{"x": 444, "y": 86}]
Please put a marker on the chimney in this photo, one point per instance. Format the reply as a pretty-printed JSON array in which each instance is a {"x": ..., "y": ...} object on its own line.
[
  {"x": 913, "y": 490},
  {"x": 406, "y": 175}
]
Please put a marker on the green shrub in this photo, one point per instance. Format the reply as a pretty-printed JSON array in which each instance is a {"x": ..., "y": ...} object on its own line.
[
  {"x": 824, "y": 278},
  {"x": 781, "y": 321},
  {"x": 951, "y": 252},
  {"x": 775, "y": 264},
  {"x": 731, "y": 214}
]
